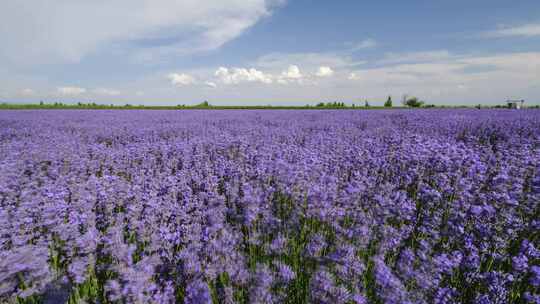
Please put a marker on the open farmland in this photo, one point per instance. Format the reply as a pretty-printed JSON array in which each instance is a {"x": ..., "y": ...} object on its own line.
[{"x": 389, "y": 206}]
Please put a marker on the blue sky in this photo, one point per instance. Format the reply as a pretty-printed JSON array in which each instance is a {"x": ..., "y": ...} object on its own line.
[{"x": 269, "y": 52}]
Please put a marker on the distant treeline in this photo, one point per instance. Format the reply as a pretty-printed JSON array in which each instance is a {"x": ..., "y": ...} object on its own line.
[{"x": 408, "y": 103}]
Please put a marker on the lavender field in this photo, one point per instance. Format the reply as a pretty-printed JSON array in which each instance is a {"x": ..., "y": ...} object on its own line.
[{"x": 382, "y": 206}]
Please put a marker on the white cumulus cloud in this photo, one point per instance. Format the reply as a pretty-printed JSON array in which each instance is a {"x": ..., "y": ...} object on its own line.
[
  {"x": 364, "y": 44},
  {"x": 59, "y": 31},
  {"x": 324, "y": 71},
  {"x": 181, "y": 79},
  {"x": 210, "y": 84},
  {"x": 239, "y": 75},
  {"x": 70, "y": 91},
  {"x": 107, "y": 92},
  {"x": 353, "y": 76},
  {"x": 291, "y": 74},
  {"x": 487, "y": 78},
  {"x": 279, "y": 60},
  {"x": 27, "y": 92},
  {"x": 525, "y": 30},
  {"x": 416, "y": 57}
]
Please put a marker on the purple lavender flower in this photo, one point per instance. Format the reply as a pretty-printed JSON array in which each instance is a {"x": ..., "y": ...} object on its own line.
[
  {"x": 535, "y": 276},
  {"x": 392, "y": 206},
  {"x": 520, "y": 263},
  {"x": 285, "y": 272},
  {"x": 197, "y": 292}
]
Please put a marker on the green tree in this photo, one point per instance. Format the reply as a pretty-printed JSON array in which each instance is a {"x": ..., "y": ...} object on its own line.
[
  {"x": 204, "y": 104},
  {"x": 367, "y": 104},
  {"x": 413, "y": 102},
  {"x": 388, "y": 103}
]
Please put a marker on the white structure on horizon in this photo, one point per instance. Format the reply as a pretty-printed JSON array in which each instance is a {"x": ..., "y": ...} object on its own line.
[{"x": 515, "y": 104}]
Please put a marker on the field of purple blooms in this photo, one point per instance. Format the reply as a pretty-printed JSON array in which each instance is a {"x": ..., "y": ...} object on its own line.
[{"x": 389, "y": 206}]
